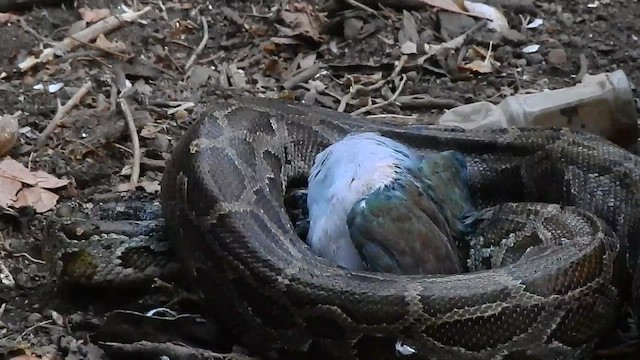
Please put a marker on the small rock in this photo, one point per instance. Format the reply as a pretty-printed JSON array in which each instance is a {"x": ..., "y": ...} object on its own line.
[
  {"x": 534, "y": 59},
  {"x": 576, "y": 41},
  {"x": 181, "y": 115},
  {"x": 513, "y": 37},
  {"x": 352, "y": 27},
  {"x": 557, "y": 57},
  {"x": 427, "y": 37},
  {"x": 8, "y": 131},
  {"x": 564, "y": 38},
  {"x": 161, "y": 142},
  {"x": 454, "y": 24},
  {"x": 566, "y": 19},
  {"x": 34, "y": 318},
  {"x": 521, "y": 62},
  {"x": 503, "y": 53},
  {"x": 412, "y": 75},
  {"x": 199, "y": 76}
]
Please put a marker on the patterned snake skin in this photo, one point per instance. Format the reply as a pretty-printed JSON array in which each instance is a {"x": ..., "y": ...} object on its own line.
[{"x": 572, "y": 195}]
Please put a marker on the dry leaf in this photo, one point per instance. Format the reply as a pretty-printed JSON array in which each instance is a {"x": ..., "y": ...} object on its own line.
[
  {"x": 40, "y": 199},
  {"x": 305, "y": 21},
  {"x": 8, "y": 190},
  {"x": 94, "y": 15},
  {"x": 451, "y": 5},
  {"x": 104, "y": 43},
  {"x": 12, "y": 169},
  {"x": 479, "y": 66},
  {"x": 6, "y": 18},
  {"x": 497, "y": 20}
]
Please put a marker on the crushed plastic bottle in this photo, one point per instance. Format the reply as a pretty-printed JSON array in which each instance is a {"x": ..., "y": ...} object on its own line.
[{"x": 602, "y": 104}]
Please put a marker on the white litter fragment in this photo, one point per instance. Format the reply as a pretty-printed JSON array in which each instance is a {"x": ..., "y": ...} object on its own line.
[{"x": 535, "y": 23}]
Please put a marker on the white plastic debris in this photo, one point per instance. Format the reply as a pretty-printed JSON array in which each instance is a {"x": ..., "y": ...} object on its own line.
[
  {"x": 409, "y": 48},
  {"x": 529, "y": 49},
  {"x": 54, "y": 88},
  {"x": 535, "y": 23},
  {"x": 403, "y": 349},
  {"x": 161, "y": 312},
  {"x": 5, "y": 276},
  {"x": 497, "y": 20}
]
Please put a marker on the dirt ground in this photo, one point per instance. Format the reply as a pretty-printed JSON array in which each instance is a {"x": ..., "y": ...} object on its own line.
[{"x": 253, "y": 49}]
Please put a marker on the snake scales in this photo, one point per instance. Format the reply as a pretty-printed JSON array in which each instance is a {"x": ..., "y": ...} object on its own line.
[{"x": 572, "y": 195}]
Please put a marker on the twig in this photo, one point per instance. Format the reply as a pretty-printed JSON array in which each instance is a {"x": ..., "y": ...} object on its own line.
[
  {"x": 388, "y": 101},
  {"x": 302, "y": 76},
  {"x": 364, "y": 7},
  {"x": 358, "y": 88},
  {"x": 135, "y": 142},
  {"x": 30, "y": 30},
  {"x": 87, "y": 35},
  {"x": 27, "y": 330},
  {"x": 62, "y": 111},
  {"x": 198, "y": 50},
  {"x": 584, "y": 68},
  {"x": 148, "y": 349},
  {"x": 180, "y": 107},
  {"x": 451, "y": 44},
  {"x": 426, "y": 102},
  {"x": 9, "y": 250},
  {"x": 163, "y": 13},
  {"x": 94, "y": 46}
]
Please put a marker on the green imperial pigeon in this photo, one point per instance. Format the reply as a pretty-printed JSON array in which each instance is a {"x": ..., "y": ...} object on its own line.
[{"x": 375, "y": 204}]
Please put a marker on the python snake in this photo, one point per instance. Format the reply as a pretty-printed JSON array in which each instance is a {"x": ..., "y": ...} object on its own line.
[{"x": 573, "y": 196}]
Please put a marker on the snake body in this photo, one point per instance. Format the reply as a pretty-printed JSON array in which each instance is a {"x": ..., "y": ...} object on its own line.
[{"x": 573, "y": 195}]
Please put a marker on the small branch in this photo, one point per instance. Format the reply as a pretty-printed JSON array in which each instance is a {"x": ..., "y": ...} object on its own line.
[
  {"x": 148, "y": 349},
  {"x": 356, "y": 4},
  {"x": 388, "y": 101},
  {"x": 198, "y": 50},
  {"x": 62, "y": 111},
  {"x": 584, "y": 68},
  {"x": 85, "y": 36},
  {"x": 368, "y": 89},
  {"x": 30, "y": 30},
  {"x": 425, "y": 101},
  {"x": 135, "y": 142},
  {"x": 302, "y": 76}
]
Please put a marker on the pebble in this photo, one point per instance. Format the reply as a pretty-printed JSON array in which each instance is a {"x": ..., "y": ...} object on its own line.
[
  {"x": 513, "y": 37},
  {"x": 521, "y": 62},
  {"x": 8, "y": 132},
  {"x": 34, "y": 318},
  {"x": 427, "y": 37},
  {"x": 454, "y": 24},
  {"x": 161, "y": 143},
  {"x": 557, "y": 57},
  {"x": 534, "y": 59},
  {"x": 503, "y": 53},
  {"x": 564, "y": 38},
  {"x": 576, "y": 41}
]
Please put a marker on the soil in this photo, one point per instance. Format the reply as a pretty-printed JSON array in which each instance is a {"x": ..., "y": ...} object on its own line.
[{"x": 250, "y": 49}]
